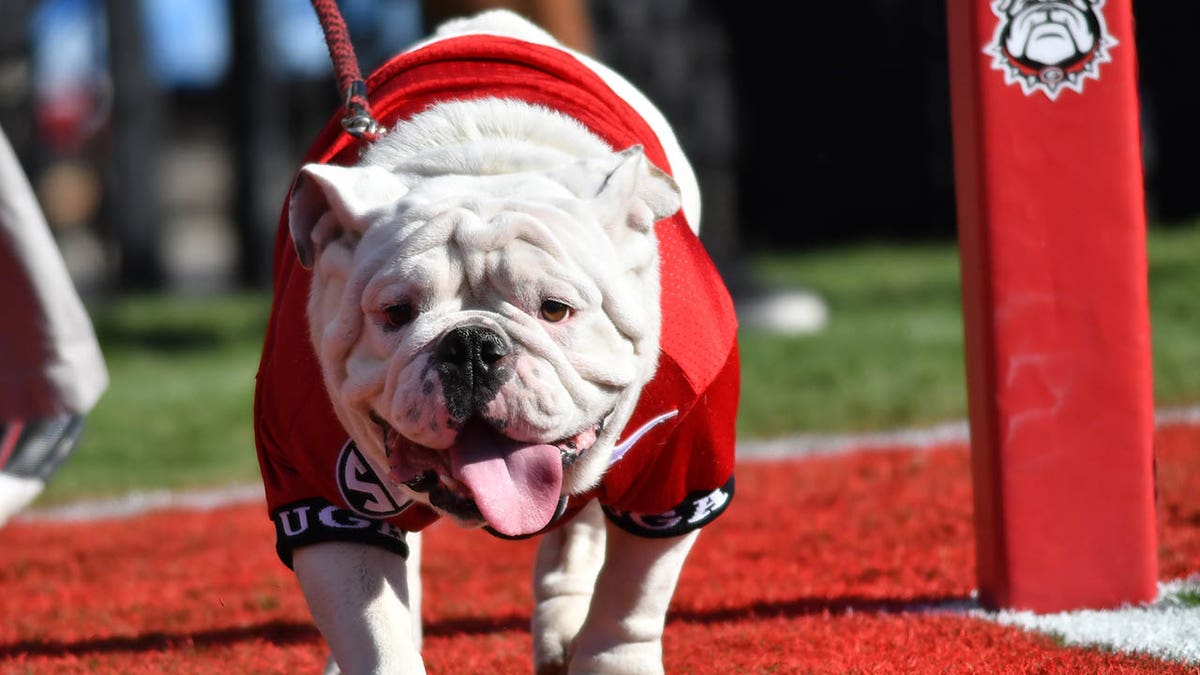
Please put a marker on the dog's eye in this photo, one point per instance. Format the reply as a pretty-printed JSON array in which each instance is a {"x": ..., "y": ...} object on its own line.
[
  {"x": 554, "y": 311},
  {"x": 396, "y": 316}
]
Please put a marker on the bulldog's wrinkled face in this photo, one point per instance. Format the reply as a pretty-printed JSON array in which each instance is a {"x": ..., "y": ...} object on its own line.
[
  {"x": 483, "y": 338},
  {"x": 1050, "y": 32}
]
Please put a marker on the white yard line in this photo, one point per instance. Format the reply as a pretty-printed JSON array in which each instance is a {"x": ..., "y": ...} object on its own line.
[
  {"x": 809, "y": 445},
  {"x": 813, "y": 445},
  {"x": 137, "y": 503},
  {"x": 1168, "y": 628},
  {"x": 801, "y": 445}
]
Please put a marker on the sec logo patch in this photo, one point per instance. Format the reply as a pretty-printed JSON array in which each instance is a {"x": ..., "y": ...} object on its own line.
[{"x": 361, "y": 487}]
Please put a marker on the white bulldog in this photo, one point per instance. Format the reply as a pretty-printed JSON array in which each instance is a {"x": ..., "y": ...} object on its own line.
[{"x": 485, "y": 308}]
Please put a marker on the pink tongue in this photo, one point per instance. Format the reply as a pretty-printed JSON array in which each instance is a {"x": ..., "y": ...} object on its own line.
[{"x": 516, "y": 487}]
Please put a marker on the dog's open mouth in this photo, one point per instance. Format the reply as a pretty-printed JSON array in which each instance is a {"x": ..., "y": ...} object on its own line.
[{"x": 485, "y": 476}]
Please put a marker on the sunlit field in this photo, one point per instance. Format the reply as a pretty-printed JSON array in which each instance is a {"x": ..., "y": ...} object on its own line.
[{"x": 178, "y": 411}]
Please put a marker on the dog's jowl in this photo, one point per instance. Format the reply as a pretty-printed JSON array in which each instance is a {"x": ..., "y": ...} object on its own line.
[{"x": 498, "y": 312}]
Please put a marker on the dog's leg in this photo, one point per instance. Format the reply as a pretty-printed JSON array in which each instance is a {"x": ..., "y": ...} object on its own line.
[
  {"x": 413, "y": 573},
  {"x": 564, "y": 574},
  {"x": 624, "y": 626},
  {"x": 359, "y": 598}
]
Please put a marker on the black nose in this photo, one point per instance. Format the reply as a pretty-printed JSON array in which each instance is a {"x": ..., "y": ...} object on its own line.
[{"x": 468, "y": 362}]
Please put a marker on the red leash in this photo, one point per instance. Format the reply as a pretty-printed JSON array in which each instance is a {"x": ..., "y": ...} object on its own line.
[{"x": 358, "y": 122}]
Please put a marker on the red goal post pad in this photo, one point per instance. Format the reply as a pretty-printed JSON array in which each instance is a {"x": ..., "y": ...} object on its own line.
[{"x": 1051, "y": 225}]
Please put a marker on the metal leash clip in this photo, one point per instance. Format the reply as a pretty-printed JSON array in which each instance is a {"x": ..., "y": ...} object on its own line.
[{"x": 358, "y": 121}]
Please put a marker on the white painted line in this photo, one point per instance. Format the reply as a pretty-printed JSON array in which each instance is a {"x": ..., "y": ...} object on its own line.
[
  {"x": 137, "y": 503},
  {"x": 809, "y": 445},
  {"x": 802, "y": 445},
  {"x": 1168, "y": 628},
  {"x": 1174, "y": 416}
]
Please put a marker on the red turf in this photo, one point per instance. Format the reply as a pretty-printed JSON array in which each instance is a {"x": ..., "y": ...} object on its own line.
[{"x": 809, "y": 571}]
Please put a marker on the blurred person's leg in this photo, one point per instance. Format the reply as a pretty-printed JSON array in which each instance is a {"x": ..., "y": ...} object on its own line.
[
  {"x": 567, "y": 20},
  {"x": 51, "y": 369}
]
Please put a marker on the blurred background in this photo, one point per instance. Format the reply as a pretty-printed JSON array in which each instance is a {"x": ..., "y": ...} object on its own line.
[{"x": 161, "y": 137}]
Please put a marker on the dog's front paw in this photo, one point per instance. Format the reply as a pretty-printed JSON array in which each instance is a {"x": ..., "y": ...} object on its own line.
[
  {"x": 556, "y": 622},
  {"x": 628, "y": 658}
]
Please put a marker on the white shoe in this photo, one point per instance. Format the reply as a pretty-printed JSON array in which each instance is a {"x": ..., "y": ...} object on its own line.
[{"x": 30, "y": 452}]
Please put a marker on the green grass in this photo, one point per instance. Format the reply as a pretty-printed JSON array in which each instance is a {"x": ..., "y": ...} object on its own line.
[
  {"x": 892, "y": 354},
  {"x": 1189, "y": 597},
  {"x": 178, "y": 411},
  {"x": 1175, "y": 314}
]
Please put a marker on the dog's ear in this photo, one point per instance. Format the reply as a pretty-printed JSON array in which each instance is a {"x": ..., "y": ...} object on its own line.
[
  {"x": 327, "y": 201},
  {"x": 634, "y": 176},
  {"x": 624, "y": 188}
]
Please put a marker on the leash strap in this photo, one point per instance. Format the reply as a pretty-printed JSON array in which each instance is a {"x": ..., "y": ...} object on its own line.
[{"x": 358, "y": 122}]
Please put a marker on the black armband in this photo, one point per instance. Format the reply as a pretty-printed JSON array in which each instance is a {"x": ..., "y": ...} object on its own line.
[
  {"x": 697, "y": 510},
  {"x": 314, "y": 521}
]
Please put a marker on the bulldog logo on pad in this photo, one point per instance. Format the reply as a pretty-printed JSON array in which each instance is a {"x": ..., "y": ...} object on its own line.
[{"x": 1050, "y": 45}]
